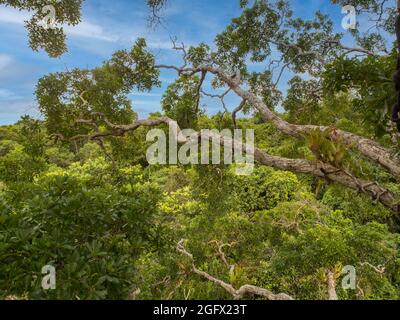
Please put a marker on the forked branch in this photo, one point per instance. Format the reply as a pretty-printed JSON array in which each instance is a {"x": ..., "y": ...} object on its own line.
[{"x": 369, "y": 148}]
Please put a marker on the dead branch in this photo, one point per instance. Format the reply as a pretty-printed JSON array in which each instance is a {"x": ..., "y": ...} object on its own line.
[
  {"x": 246, "y": 290},
  {"x": 221, "y": 97},
  {"x": 381, "y": 269},
  {"x": 221, "y": 254},
  {"x": 134, "y": 294},
  {"x": 331, "y": 282}
]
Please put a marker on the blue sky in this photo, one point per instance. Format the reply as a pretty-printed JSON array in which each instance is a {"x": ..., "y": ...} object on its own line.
[{"x": 108, "y": 26}]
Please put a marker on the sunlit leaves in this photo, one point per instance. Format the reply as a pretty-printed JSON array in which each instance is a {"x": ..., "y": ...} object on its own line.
[
  {"x": 52, "y": 40},
  {"x": 65, "y": 98},
  {"x": 180, "y": 102},
  {"x": 369, "y": 82},
  {"x": 79, "y": 221}
]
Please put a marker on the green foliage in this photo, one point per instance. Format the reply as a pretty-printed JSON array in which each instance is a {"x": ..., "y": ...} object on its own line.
[
  {"x": 18, "y": 166},
  {"x": 370, "y": 83},
  {"x": 111, "y": 232},
  {"x": 264, "y": 189},
  {"x": 355, "y": 206},
  {"x": 242, "y": 37},
  {"x": 32, "y": 136},
  {"x": 302, "y": 100},
  {"x": 52, "y": 40},
  {"x": 180, "y": 102},
  {"x": 67, "y": 12},
  {"x": 68, "y": 97},
  {"x": 90, "y": 230},
  {"x": 110, "y": 223},
  {"x": 59, "y": 156},
  {"x": 325, "y": 148},
  {"x": 335, "y": 242},
  {"x": 89, "y": 151}
]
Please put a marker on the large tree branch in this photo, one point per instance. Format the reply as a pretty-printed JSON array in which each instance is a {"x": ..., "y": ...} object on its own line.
[
  {"x": 300, "y": 51},
  {"x": 349, "y": 50},
  {"x": 316, "y": 168},
  {"x": 246, "y": 290},
  {"x": 367, "y": 147}
]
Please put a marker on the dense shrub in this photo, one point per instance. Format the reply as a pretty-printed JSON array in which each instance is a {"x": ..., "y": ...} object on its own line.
[{"x": 91, "y": 231}]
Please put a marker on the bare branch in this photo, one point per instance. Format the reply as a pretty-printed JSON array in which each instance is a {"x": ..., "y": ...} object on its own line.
[
  {"x": 246, "y": 290},
  {"x": 203, "y": 77},
  {"x": 221, "y": 97},
  {"x": 221, "y": 254},
  {"x": 331, "y": 282},
  {"x": 300, "y": 51},
  {"x": 236, "y": 111},
  {"x": 381, "y": 269},
  {"x": 316, "y": 168},
  {"x": 351, "y": 49},
  {"x": 367, "y": 147}
]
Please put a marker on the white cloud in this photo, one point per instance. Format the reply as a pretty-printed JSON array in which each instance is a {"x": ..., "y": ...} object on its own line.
[
  {"x": 90, "y": 30},
  {"x": 18, "y": 107},
  {"x": 84, "y": 29},
  {"x": 7, "y": 95},
  {"x": 9, "y": 15},
  {"x": 5, "y": 61},
  {"x": 145, "y": 94},
  {"x": 157, "y": 44}
]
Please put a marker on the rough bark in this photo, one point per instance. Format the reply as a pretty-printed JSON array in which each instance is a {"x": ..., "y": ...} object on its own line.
[
  {"x": 331, "y": 282},
  {"x": 367, "y": 147},
  {"x": 316, "y": 168}
]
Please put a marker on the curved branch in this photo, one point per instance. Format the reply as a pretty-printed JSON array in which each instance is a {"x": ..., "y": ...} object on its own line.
[
  {"x": 203, "y": 77},
  {"x": 300, "y": 51},
  {"x": 246, "y": 290},
  {"x": 353, "y": 49},
  {"x": 221, "y": 97},
  {"x": 221, "y": 253},
  {"x": 316, "y": 168},
  {"x": 367, "y": 147},
  {"x": 236, "y": 111}
]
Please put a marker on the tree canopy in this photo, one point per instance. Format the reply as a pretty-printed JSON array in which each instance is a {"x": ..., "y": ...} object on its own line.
[{"x": 324, "y": 193}]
